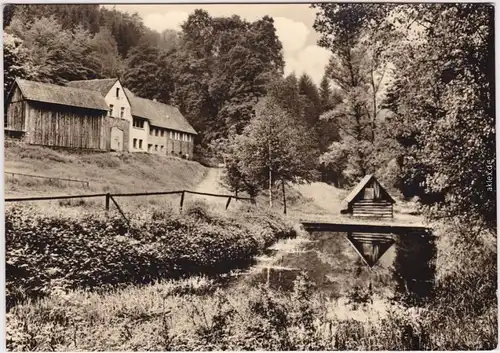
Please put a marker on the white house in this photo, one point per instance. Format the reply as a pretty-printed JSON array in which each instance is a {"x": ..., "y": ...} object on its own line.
[{"x": 119, "y": 105}]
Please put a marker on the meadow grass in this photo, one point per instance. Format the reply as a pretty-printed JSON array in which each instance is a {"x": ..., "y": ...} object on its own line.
[{"x": 106, "y": 172}]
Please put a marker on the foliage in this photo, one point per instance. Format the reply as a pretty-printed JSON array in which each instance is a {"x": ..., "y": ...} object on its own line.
[
  {"x": 57, "y": 55},
  {"x": 444, "y": 108},
  {"x": 105, "y": 49},
  {"x": 149, "y": 73},
  {"x": 53, "y": 252},
  {"x": 354, "y": 35},
  {"x": 163, "y": 317},
  {"x": 16, "y": 60},
  {"x": 272, "y": 148},
  {"x": 223, "y": 65},
  {"x": 70, "y": 16}
]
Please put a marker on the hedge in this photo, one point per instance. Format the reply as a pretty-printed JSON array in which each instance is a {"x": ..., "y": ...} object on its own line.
[{"x": 91, "y": 251}]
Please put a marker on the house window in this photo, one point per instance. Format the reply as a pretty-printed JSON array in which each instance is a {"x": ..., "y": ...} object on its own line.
[
  {"x": 117, "y": 92},
  {"x": 111, "y": 110},
  {"x": 161, "y": 148},
  {"x": 156, "y": 132},
  {"x": 151, "y": 132},
  {"x": 140, "y": 144},
  {"x": 135, "y": 143},
  {"x": 162, "y": 132},
  {"x": 156, "y": 148},
  {"x": 150, "y": 147},
  {"x": 139, "y": 123},
  {"x": 122, "y": 112}
]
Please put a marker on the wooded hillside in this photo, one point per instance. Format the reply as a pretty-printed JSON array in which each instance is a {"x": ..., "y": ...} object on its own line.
[{"x": 407, "y": 94}]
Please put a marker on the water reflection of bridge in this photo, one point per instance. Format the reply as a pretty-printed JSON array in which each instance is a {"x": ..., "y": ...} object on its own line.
[{"x": 413, "y": 246}]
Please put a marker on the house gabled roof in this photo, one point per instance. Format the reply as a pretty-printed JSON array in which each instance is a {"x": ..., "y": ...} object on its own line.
[
  {"x": 361, "y": 185},
  {"x": 62, "y": 95},
  {"x": 99, "y": 85},
  {"x": 159, "y": 114}
]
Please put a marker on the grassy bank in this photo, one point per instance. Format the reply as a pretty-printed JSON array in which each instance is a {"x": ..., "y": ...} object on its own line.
[
  {"x": 197, "y": 314},
  {"x": 192, "y": 315},
  {"x": 106, "y": 172},
  {"x": 46, "y": 253}
]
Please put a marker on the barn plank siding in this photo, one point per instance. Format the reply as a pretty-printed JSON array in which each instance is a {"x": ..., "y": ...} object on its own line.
[
  {"x": 16, "y": 111},
  {"x": 57, "y": 126}
]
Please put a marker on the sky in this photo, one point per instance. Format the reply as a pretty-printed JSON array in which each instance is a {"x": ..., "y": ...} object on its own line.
[{"x": 293, "y": 22}]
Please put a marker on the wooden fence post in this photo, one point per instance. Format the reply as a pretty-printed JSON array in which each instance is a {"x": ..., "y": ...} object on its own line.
[
  {"x": 228, "y": 201},
  {"x": 119, "y": 209},
  {"x": 107, "y": 201},
  {"x": 182, "y": 199},
  {"x": 284, "y": 196}
]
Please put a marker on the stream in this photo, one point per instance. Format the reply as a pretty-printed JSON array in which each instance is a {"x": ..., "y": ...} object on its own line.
[{"x": 401, "y": 264}]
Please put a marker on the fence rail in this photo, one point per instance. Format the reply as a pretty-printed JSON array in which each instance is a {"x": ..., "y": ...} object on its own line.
[
  {"x": 111, "y": 197},
  {"x": 84, "y": 182}
]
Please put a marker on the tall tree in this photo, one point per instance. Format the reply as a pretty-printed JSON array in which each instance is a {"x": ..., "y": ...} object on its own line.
[
  {"x": 69, "y": 16},
  {"x": 325, "y": 93},
  {"x": 106, "y": 53},
  {"x": 128, "y": 30},
  {"x": 149, "y": 73},
  {"x": 352, "y": 32},
  {"x": 443, "y": 104},
  {"x": 57, "y": 55},
  {"x": 310, "y": 93},
  {"x": 223, "y": 66},
  {"x": 16, "y": 61},
  {"x": 272, "y": 149}
]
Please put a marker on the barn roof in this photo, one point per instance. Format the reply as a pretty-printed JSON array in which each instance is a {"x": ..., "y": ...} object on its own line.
[
  {"x": 98, "y": 85},
  {"x": 358, "y": 188},
  {"x": 69, "y": 96},
  {"x": 159, "y": 114}
]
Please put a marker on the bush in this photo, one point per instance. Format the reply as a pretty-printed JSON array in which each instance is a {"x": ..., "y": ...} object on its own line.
[{"x": 44, "y": 253}]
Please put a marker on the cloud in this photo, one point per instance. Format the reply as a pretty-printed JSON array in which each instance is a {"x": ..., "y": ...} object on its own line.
[
  {"x": 311, "y": 60},
  {"x": 300, "y": 58},
  {"x": 292, "y": 34},
  {"x": 167, "y": 20}
]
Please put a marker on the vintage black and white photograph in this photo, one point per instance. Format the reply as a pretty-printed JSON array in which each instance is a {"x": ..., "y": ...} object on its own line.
[{"x": 250, "y": 177}]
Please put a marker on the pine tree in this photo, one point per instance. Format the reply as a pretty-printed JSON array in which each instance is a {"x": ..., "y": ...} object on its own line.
[{"x": 325, "y": 94}]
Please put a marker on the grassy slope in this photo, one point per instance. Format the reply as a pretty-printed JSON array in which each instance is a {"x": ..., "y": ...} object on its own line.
[{"x": 106, "y": 172}]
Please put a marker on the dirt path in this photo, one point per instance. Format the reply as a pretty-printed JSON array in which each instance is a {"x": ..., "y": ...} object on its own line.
[{"x": 211, "y": 184}]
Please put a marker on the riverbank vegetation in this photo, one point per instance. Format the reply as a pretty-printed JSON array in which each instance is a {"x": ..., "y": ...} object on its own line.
[{"x": 47, "y": 253}]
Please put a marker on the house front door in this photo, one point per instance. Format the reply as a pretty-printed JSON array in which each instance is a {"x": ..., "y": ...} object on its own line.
[{"x": 116, "y": 139}]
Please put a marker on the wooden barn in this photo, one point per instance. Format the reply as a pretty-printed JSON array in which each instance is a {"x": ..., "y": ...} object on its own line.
[
  {"x": 369, "y": 199},
  {"x": 51, "y": 115}
]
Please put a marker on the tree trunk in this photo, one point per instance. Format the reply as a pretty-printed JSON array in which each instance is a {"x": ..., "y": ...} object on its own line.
[
  {"x": 270, "y": 178},
  {"x": 374, "y": 114},
  {"x": 284, "y": 195}
]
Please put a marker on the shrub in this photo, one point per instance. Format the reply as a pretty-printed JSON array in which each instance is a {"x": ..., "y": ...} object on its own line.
[{"x": 44, "y": 253}]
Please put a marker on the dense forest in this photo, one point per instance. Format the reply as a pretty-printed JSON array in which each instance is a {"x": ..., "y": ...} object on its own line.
[{"x": 408, "y": 92}]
